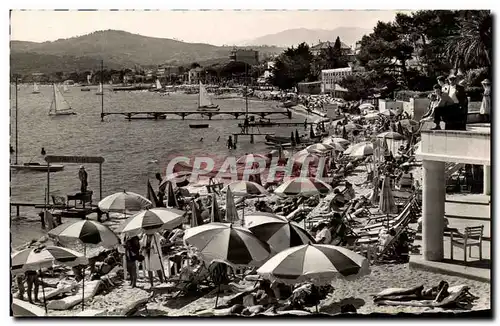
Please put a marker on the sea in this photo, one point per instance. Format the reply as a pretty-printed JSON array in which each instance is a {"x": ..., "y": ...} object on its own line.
[{"x": 134, "y": 151}]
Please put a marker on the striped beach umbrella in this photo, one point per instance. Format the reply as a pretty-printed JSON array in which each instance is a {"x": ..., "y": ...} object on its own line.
[
  {"x": 320, "y": 148},
  {"x": 245, "y": 188},
  {"x": 181, "y": 179},
  {"x": 223, "y": 241},
  {"x": 124, "y": 202},
  {"x": 363, "y": 150},
  {"x": 303, "y": 187},
  {"x": 336, "y": 140},
  {"x": 277, "y": 231},
  {"x": 314, "y": 263},
  {"x": 251, "y": 158},
  {"x": 33, "y": 259},
  {"x": 87, "y": 231},
  {"x": 390, "y": 135},
  {"x": 152, "y": 220}
]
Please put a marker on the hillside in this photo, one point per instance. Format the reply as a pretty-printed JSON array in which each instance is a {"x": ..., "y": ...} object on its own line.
[
  {"x": 116, "y": 48},
  {"x": 289, "y": 37}
]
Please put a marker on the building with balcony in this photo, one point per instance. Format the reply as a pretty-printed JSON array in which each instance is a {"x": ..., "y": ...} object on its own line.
[
  {"x": 248, "y": 56},
  {"x": 471, "y": 146},
  {"x": 194, "y": 75}
]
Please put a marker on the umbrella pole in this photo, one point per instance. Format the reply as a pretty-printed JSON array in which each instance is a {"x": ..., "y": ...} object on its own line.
[
  {"x": 317, "y": 307},
  {"x": 43, "y": 292},
  {"x": 161, "y": 257},
  {"x": 83, "y": 278},
  {"x": 217, "y": 297}
]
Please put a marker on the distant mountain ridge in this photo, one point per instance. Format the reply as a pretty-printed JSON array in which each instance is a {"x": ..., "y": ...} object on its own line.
[
  {"x": 117, "y": 49},
  {"x": 289, "y": 37}
]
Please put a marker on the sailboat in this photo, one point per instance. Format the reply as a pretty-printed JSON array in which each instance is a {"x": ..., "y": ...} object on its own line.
[
  {"x": 204, "y": 100},
  {"x": 31, "y": 166},
  {"x": 59, "y": 106},
  {"x": 99, "y": 90},
  {"x": 35, "y": 89},
  {"x": 157, "y": 87},
  {"x": 65, "y": 88}
]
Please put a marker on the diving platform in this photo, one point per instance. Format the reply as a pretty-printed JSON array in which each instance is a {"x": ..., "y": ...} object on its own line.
[{"x": 183, "y": 114}]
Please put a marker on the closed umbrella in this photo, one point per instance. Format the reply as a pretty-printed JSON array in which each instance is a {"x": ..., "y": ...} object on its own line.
[
  {"x": 124, "y": 202},
  {"x": 277, "y": 231},
  {"x": 303, "y": 187},
  {"x": 387, "y": 204},
  {"x": 171, "y": 198},
  {"x": 231, "y": 212},
  {"x": 88, "y": 232},
  {"x": 196, "y": 219},
  {"x": 215, "y": 214},
  {"x": 223, "y": 241},
  {"x": 152, "y": 220},
  {"x": 390, "y": 135}
]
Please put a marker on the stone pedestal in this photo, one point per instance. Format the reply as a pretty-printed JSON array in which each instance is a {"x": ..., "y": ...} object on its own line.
[
  {"x": 434, "y": 196},
  {"x": 487, "y": 180}
]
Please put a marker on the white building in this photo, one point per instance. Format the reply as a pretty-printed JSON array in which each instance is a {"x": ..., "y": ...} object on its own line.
[{"x": 331, "y": 77}]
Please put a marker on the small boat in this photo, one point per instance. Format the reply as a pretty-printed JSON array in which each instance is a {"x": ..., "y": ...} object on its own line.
[
  {"x": 59, "y": 106},
  {"x": 37, "y": 167},
  {"x": 35, "y": 89},
  {"x": 199, "y": 126},
  {"x": 100, "y": 90},
  {"x": 204, "y": 101},
  {"x": 277, "y": 139}
]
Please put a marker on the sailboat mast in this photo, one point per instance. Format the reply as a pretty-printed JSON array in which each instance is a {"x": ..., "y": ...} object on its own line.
[
  {"x": 16, "y": 120},
  {"x": 246, "y": 91},
  {"x": 55, "y": 97},
  {"x": 102, "y": 90}
]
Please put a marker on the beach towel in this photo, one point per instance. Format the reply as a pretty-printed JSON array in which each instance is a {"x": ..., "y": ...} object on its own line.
[
  {"x": 63, "y": 287},
  {"x": 91, "y": 289}
]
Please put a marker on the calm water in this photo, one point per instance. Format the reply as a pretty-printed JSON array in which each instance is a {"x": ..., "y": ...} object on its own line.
[{"x": 129, "y": 147}]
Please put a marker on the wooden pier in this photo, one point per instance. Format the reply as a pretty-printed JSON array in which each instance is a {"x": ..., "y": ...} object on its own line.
[
  {"x": 156, "y": 115},
  {"x": 278, "y": 124}
]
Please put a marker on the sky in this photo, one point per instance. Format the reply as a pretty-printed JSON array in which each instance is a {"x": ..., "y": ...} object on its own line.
[{"x": 214, "y": 27}]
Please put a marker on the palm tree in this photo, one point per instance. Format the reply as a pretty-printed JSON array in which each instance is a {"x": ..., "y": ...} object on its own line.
[{"x": 472, "y": 47}]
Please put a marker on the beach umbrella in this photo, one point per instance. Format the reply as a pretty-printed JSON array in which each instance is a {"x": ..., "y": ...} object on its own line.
[
  {"x": 303, "y": 187},
  {"x": 171, "y": 198},
  {"x": 152, "y": 220},
  {"x": 336, "y": 140},
  {"x": 320, "y": 148},
  {"x": 363, "y": 150},
  {"x": 353, "y": 147},
  {"x": 386, "y": 203},
  {"x": 231, "y": 244},
  {"x": 372, "y": 116},
  {"x": 245, "y": 188},
  {"x": 34, "y": 259},
  {"x": 251, "y": 158},
  {"x": 215, "y": 214},
  {"x": 390, "y": 135},
  {"x": 151, "y": 196},
  {"x": 278, "y": 232},
  {"x": 366, "y": 106},
  {"x": 351, "y": 127},
  {"x": 231, "y": 212},
  {"x": 181, "y": 179},
  {"x": 88, "y": 232},
  {"x": 124, "y": 202}
]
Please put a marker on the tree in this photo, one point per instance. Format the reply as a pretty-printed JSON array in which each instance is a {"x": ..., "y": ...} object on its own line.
[
  {"x": 471, "y": 47},
  {"x": 292, "y": 66},
  {"x": 195, "y": 65}
]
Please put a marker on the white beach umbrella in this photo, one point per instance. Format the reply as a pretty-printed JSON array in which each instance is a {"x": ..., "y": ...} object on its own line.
[
  {"x": 303, "y": 187},
  {"x": 152, "y": 220},
  {"x": 361, "y": 151},
  {"x": 320, "y": 148}
]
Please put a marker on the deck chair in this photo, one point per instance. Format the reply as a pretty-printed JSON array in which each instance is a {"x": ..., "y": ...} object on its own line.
[
  {"x": 383, "y": 221},
  {"x": 472, "y": 237}
]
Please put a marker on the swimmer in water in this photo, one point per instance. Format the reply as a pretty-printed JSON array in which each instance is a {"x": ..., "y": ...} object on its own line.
[
  {"x": 218, "y": 138},
  {"x": 201, "y": 139}
]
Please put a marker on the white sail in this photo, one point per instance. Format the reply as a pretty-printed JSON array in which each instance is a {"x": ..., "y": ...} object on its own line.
[
  {"x": 35, "y": 88},
  {"x": 158, "y": 84},
  {"x": 88, "y": 79},
  {"x": 99, "y": 90},
  {"x": 204, "y": 99},
  {"x": 59, "y": 104}
]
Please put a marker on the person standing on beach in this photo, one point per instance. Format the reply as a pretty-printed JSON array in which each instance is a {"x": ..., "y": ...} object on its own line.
[
  {"x": 486, "y": 103},
  {"x": 132, "y": 255},
  {"x": 152, "y": 256},
  {"x": 32, "y": 281},
  {"x": 82, "y": 175}
]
